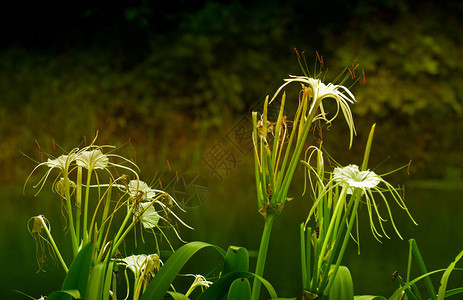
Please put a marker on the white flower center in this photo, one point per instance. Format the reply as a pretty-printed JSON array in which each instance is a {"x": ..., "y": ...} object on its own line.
[{"x": 351, "y": 176}]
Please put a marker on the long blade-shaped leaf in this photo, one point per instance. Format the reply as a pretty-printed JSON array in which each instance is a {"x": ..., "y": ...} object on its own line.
[
  {"x": 161, "y": 282},
  {"x": 77, "y": 277},
  {"x": 445, "y": 277},
  {"x": 62, "y": 295},
  {"x": 220, "y": 288}
]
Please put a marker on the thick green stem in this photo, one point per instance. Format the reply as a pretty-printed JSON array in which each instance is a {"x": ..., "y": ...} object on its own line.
[
  {"x": 75, "y": 246},
  {"x": 262, "y": 256},
  {"x": 78, "y": 201},
  {"x": 87, "y": 192}
]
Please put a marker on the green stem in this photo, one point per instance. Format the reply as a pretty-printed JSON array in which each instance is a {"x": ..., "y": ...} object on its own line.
[
  {"x": 120, "y": 236},
  {"x": 336, "y": 212},
  {"x": 78, "y": 201},
  {"x": 303, "y": 257},
  {"x": 55, "y": 248},
  {"x": 288, "y": 175},
  {"x": 346, "y": 240},
  {"x": 262, "y": 254},
  {"x": 337, "y": 242},
  {"x": 75, "y": 246},
  {"x": 105, "y": 215},
  {"x": 257, "y": 166},
  {"x": 308, "y": 255},
  {"x": 87, "y": 192}
]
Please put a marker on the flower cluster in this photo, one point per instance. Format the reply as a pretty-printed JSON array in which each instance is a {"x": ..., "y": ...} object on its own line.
[{"x": 90, "y": 215}]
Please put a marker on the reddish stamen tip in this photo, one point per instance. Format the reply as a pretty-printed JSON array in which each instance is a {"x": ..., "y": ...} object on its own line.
[{"x": 298, "y": 56}]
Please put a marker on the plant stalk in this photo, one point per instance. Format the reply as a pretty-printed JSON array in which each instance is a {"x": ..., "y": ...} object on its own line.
[
  {"x": 53, "y": 244},
  {"x": 262, "y": 256},
  {"x": 75, "y": 246}
]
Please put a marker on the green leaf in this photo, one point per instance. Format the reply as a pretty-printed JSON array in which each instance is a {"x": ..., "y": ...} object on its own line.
[
  {"x": 421, "y": 265},
  {"x": 408, "y": 291},
  {"x": 368, "y": 297},
  {"x": 161, "y": 282},
  {"x": 398, "y": 293},
  {"x": 343, "y": 287},
  {"x": 100, "y": 281},
  {"x": 453, "y": 292},
  {"x": 77, "y": 277},
  {"x": 178, "y": 296},
  {"x": 236, "y": 259},
  {"x": 240, "y": 289},
  {"x": 61, "y": 295},
  {"x": 446, "y": 275},
  {"x": 220, "y": 288}
]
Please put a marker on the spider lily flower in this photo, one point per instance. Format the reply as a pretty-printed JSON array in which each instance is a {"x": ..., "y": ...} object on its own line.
[
  {"x": 144, "y": 210},
  {"x": 354, "y": 178},
  {"x": 143, "y": 268},
  {"x": 92, "y": 159},
  {"x": 149, "y": 218},
  {"x": 318, "y": 91},
  {"x": 62, "y": 163},
  {"x": 136, "y": 186},
  {"x": 368, "y": 182},
  {"x": 200, "y": 281},
  {"x": 137, "y": 263},
  {"x": 276, "y": 164}
]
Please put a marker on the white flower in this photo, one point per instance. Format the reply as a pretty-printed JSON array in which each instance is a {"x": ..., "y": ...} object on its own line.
[
  {"x": 200, "y": 281},
  {"x": 321, "y": 91},
  {"x": 92, "y": 159},
  {"x": 136, "y": 186},
  {"x": 149, "y": 218},
  {"x": 354, "y": 178},
  {"x": 150, "y": 197},
  {"x": 138, "y": 263},
  {"x": 62, "y": 162},
  {"x": 135, "y": 263}
]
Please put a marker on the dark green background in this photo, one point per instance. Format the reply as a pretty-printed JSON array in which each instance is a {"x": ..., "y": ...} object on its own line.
[{"x": 176, "y": 78}]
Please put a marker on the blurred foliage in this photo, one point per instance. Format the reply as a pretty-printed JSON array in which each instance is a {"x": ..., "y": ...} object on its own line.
[{"x": 177, "y": 79}]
